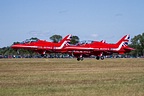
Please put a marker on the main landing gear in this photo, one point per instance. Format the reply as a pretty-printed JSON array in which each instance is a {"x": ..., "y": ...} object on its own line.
[
  {"x": 80, "y": 58},
  {"x": 44, "y": 55},
  {"x": 100, "y": 57}
]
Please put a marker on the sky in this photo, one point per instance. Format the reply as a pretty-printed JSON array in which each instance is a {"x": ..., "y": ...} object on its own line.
[{"x": 88, "y": 19}]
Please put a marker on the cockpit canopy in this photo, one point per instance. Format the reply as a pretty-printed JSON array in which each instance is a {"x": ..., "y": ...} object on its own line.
[
  {"x": 86, "y": 42},
  {"x": 29, "y": 41}
]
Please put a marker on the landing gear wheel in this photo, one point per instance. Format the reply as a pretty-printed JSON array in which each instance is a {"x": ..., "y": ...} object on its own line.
[
  {"x": 102, "y": 57},
  {"x": 80, "y": 58},
  {"x": 97, "y": 57},
  {"x": 44, "y": 55}
]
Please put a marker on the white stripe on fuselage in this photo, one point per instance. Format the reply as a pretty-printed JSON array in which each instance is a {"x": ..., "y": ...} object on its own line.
[
  {"x": 44, "y": 47},
  {"x": 89, "y": 48},
  {"x": 61, "y": 45},
  {"x": 48, "y": 47},
  {"x": 120, "y": 46},
  {"x": 68, "y": 39},
  {"x": 77, "y": 48},
  {"x": 26, "y": 46}
]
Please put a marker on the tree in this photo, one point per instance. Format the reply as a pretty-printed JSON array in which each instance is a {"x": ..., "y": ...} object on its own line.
[
  {"x": 7, "y": 51},
  {"x": 74, "y": 40},
  {"x": 138, "y": 44},
  {"x": 56, "y": 38}
]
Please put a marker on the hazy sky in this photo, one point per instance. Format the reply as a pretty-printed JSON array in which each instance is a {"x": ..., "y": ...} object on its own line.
[{"x": 87, "y": 19}]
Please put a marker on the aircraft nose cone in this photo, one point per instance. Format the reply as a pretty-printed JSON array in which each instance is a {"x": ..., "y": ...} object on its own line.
[{"x": 15, "y": 46}]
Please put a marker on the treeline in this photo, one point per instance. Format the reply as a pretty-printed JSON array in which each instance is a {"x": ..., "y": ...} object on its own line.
[{"x": 137, "y": 42}]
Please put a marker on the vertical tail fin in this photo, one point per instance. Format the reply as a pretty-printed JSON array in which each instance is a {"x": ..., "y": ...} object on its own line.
[
  {"x": 124, "y": 40},
  {"x": 66, "y": 39},
  {"x": 123, "y": 45}
]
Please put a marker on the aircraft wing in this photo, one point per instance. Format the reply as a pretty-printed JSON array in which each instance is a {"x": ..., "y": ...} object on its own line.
[{"x": 79, "y": 48}]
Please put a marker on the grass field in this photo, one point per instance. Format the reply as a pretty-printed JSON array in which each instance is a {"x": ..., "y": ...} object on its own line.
[{"x": 69, "y": 77}]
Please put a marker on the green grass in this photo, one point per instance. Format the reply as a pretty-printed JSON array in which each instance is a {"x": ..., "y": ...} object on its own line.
[{"x": 69, "y": 77}]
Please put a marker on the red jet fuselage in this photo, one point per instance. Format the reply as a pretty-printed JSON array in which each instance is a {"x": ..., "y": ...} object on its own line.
[
  {"x": 99, "y": 49},
  {"x": 43, "y": 46}
]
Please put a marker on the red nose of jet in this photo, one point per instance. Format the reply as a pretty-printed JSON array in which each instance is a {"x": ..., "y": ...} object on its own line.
[{"x": 16, "y": 46}]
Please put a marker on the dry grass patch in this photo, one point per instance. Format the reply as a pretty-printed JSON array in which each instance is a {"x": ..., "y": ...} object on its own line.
[{"x": 68, "y": 77}]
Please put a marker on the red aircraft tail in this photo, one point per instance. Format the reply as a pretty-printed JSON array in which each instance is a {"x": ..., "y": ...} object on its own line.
[
  {"x": 123, "y": 45},
  {"x": 65, "y": 41},
  {"x": 124, "y": 40}
]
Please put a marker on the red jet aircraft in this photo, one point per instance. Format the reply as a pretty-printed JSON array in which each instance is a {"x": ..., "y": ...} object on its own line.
[
  {"x": 43, "y": 46},
  {"x": 99, "y": 49}
]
